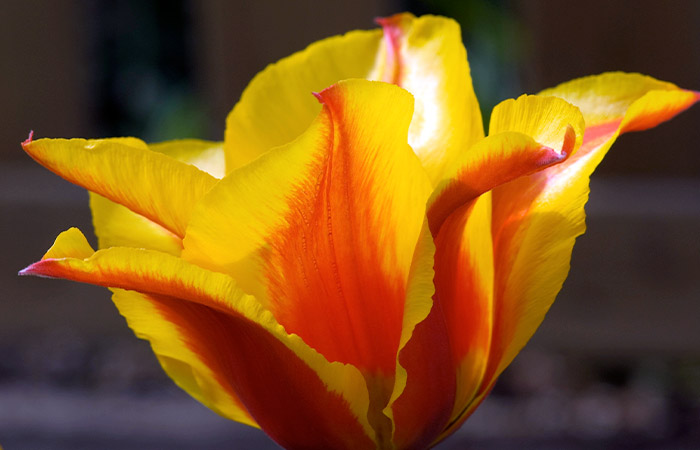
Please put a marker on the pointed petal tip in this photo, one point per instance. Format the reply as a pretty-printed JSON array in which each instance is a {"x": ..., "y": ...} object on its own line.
[{"x": 38, "y": 269}]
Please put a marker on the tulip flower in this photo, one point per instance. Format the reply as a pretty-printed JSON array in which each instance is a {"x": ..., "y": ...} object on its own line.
[{"x": 351, "y": 269}]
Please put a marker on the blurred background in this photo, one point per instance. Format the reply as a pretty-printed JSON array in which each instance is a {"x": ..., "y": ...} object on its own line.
[{"x": 616, "y": 363}]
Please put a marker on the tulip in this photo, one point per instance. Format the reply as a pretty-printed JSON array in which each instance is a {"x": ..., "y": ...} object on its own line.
[{"x": 354, "y": 270}]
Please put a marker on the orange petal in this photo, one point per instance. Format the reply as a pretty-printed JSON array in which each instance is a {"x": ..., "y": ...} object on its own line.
[
  {"x": 424, "y": 391},
  {"x": 464, "y": 277}
]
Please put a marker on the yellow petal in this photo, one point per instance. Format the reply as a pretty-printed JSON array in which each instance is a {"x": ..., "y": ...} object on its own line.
[
  {"x": 151, "y": 184},
  {"x": 423, "y": 55},
  {"x": 277, "y": 106},
  {"x": 70, "y": 243},
  {"x": 537, "y": 218},
  {"x": 223, "y": 346},
  {"x": 545, "y": 119},
  {"x": 117, "y": 226}
]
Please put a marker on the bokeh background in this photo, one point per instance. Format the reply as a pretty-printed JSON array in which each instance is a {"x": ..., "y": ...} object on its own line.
[{"x": 617, "y": 362}]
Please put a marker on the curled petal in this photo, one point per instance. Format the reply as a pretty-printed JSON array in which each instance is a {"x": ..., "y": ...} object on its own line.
[{"x": 526, "y": 135}]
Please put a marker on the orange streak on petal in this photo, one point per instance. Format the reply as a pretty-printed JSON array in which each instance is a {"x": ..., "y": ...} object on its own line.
[
  {"x": 392, "y": 35},
  {"x": 325, "y": 262},
  {"x": 337, "y": 266}
]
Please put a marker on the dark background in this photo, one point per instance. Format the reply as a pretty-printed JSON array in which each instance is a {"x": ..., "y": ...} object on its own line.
[{"x": 616, "y": 363}]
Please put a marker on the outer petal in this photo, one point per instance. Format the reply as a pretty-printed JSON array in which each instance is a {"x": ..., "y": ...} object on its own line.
[
  {"x": 151, "y": 184},
  {"x": 537, "y": 218},
  {"x": 291, "y": 391},
  {"x": 423, "y": 55},
  {"x": 332, "y": 239},
  {"x": 117, "y": 226}
]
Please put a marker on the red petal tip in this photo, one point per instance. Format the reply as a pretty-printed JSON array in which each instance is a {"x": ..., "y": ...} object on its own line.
[
  {"x": 318, "y": 96},
  {"x": 29, "y": 270},
  {"x": 29, "y": 139}
]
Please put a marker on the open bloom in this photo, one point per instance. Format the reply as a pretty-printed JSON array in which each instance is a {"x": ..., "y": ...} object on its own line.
[{"x": 355, "y": 270}]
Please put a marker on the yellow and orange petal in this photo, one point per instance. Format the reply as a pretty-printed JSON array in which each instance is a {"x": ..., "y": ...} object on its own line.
[
  {"x": 536, "y": 218},
  {"x": 331, "y": 242},
  {"x": 260, "y": 373}
]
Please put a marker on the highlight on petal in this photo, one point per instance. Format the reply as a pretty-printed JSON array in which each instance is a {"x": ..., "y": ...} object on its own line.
[
  {"x": 526, "y": 135},
  {"x": 151, "y": 184},
  {"x": 331, "y": 242},
  {"x": 260, "y": 372},
  {"x": 424, "y": 55},
  {"x": 207, "y": 156}
]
